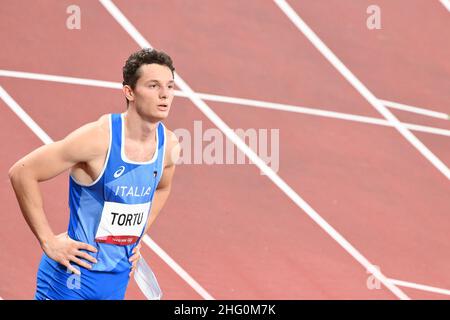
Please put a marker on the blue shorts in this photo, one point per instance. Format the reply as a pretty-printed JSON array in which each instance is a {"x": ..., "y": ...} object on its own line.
[{"x": 54, "y": 282}]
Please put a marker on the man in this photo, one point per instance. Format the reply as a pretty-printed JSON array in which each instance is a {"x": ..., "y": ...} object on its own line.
[{"x": 121, "y": 170}]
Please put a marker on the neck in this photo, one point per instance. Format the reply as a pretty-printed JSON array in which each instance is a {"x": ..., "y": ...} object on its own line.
[{"x": 137, "y": 128}]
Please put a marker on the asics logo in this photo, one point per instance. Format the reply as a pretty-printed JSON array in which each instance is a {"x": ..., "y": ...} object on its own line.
[{"x": 119, "y": 172}]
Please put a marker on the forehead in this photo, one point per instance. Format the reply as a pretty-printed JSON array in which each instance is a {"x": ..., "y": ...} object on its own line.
[{"x": 155, "y": 72}]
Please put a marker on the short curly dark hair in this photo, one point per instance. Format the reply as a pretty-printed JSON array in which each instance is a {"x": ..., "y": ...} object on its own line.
[{"x": 130, "y": 70}]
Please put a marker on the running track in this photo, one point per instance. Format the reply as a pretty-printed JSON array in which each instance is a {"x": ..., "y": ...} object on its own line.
[{"x": 233, "y": 230}]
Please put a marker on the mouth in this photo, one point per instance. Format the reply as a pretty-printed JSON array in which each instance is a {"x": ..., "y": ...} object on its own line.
[{"x": 163, "y": 107}]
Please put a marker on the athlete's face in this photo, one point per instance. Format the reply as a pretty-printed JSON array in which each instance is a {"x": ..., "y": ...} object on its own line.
[{"x": 153, "y": 93}]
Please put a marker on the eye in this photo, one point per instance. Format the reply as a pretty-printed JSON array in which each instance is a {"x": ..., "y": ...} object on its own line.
[{"x": 153, "y": 86}]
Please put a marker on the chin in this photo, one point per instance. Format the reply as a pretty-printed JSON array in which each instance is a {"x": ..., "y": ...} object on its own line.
[
  {"x": 155, "y": 116},
  {"x": 160, "y": 115}
]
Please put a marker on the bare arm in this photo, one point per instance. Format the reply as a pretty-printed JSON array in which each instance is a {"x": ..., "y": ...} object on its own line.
[
  {"x": 159, "y": 199},
  {"x": 161, "y": 194},
  {"x": 164, "y": 186},
  {"x": 44, "y": 163}
]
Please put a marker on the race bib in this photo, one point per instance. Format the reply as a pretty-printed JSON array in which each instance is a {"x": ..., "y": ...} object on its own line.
[{"x": 122, "y": 224}]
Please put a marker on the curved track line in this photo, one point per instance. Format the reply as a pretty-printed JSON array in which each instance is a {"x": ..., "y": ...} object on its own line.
[
  {"x": 359, "y": 86},
  {"x": 24, "y": 116},
  {"x": 60, "y": 79},
  {"x": 420, "y": 287},
  {"x": 446, "y": 4},
  {"x": 422, "y": 111},
  {"x": 177, "y": 268}
]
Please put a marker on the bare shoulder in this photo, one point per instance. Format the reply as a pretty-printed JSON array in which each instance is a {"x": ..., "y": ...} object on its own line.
[
  {"x": 90, "y": 140},
  {"x": 173, "y": 148},
  {"x": 99, "y": 126},
  {"x": 101, "y": 131},
  {"x": 85, "y": 145},
  {"x": 102, "y": 124}
]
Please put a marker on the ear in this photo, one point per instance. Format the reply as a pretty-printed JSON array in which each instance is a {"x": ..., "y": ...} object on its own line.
[{"x": 128, "y": 92}]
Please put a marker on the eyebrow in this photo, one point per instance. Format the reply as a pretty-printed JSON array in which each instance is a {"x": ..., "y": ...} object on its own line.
[{"x": 157, "y": 81}]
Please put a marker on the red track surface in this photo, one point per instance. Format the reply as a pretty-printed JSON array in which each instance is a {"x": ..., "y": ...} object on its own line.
[{"x": 231, "y": 228}]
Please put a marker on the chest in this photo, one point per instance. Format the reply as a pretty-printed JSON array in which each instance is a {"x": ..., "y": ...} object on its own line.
[{"x": 138, "y": 151}]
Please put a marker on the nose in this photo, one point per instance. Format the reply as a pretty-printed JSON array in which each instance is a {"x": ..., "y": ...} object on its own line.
[{"x": 163, "y": 93}]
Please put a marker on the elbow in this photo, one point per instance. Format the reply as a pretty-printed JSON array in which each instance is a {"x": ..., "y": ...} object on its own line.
[
  {"x": 15, "y": 172},
  {"x": 12, "y": 174}
]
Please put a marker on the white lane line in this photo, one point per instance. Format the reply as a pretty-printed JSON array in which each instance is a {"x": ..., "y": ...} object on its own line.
[
  {"x": 420, "y": 287},
  {"x": 205, "y": 96},
  {"x": 24, "y": 116},
  {"x": 446, "y": 4},
  {"x": 360, "y": 87},
  {"x": 422, "y": 111},
  {"x": 177, "y": 268},
  {"x": 214, "y": 118},
  {"x": 231, "y": 100},
  {"x": 60, "y": 79},
  {"x": 317, "y": 112},
  {"x": 416, "y": 127},
  {"x": 46, "y": 139}
]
